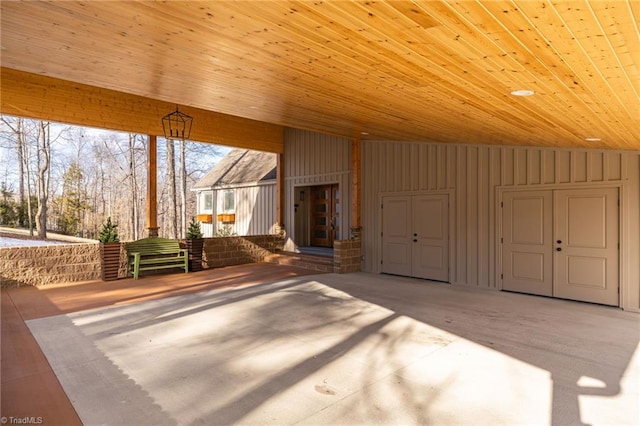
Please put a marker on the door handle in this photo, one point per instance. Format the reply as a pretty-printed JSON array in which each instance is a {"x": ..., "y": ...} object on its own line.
[
  {"x": 559, "y": 249},
  {"x": 415, "y": 241},
  {"x": 559, "y": 241}
]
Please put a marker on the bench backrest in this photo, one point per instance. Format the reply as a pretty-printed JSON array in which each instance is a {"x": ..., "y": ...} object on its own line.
[{"x": 153, "y": 245}]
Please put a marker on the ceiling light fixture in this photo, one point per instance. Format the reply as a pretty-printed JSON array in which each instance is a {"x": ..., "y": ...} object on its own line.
[
  {"x": 523, "y": 92},
  {"x": 177, "y": 125},
  {"x": 592, "y": 139}
]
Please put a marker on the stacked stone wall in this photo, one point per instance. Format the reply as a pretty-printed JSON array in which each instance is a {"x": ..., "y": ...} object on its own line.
[
  {"x": 227, "y": 251},
  {"x": 33, "y": 266},
  {"x": 42, "y": 265},
  {"x": 347, "y": 256}
]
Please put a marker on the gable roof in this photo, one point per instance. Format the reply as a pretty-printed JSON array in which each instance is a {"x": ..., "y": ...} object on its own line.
[{"x": 240, "y": 166}]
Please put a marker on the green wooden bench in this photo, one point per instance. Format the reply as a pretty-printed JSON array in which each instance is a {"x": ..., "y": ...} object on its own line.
[{"x": 155, "y": 253}]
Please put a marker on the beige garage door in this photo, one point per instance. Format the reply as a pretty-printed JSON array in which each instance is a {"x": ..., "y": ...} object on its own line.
[
  {"x": 415, "y": 236},
  {"x": 562, "y": 243}
]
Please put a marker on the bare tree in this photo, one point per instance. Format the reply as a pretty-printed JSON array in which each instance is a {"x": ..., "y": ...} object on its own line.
[
  {"x": 43, "y": 155},
  {"x": 40, "y": 153},
  {"x": 21, "y": 147},
  {"x": 171, "y": 190},
  {"x": 28, "y": 174},
  {"x": 183, "y": 189},
  {"x": 120, "y": 161},
  {"x": 133, "y": 186}
]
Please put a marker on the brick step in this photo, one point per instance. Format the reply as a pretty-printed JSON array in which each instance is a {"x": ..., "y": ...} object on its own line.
[{"x": 306, "y": 261}]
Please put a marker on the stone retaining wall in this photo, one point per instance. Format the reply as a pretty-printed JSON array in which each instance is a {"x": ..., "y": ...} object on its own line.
[
  {"x": 31, "y": 266},
  {"x": 227, "y": 251}
]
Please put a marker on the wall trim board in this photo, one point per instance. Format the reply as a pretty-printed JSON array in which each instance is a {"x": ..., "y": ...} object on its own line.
[
  {"x": 630, "y": 225},
  {"x": 300, "y": 180},
  {"x": 609, "y": 184}
]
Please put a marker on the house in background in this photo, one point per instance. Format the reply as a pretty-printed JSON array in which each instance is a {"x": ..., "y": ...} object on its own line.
[{"x": 238, "y": 195}]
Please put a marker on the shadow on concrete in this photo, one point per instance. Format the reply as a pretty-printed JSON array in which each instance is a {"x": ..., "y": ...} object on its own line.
[
  {"x": 329, "y": 349},
  {"x": 586, "y": 348}
]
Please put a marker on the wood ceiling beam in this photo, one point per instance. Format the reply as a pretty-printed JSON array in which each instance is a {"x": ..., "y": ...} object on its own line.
[{"x": 46, "y": 98}]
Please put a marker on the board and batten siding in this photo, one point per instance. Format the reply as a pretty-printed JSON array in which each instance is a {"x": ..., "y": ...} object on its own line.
[
  {"x": 472, "y": 175},
  {"x": 312, "y": 159},
  {"x": 255, "y": 209}
]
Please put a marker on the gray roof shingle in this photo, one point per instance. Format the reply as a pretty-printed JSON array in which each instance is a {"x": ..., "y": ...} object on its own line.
[{"x": 238, "y": 167}]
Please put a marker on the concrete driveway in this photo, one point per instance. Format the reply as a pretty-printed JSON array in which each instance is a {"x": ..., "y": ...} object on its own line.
[{"x": 356, "y": 349}]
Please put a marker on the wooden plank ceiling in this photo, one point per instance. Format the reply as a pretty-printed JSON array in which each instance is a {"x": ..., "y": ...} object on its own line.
[{"x": 423, "y": 70}]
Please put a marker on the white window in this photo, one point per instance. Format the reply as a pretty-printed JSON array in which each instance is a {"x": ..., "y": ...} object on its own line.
[
  {"x": 207, "y": 202},
  {"x": 229, "y": 201}
]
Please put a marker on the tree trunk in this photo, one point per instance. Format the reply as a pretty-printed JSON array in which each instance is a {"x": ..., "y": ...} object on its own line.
[
  {"x": 133, "y": 186},
  {"x": 29, "y": 209},
  {"x": 171, "y": 182},
  {"x": 21, "y": 161},
  {"x": 44, "y": 157},
  {"x": 183, "y": 190},
  {"x": 22, "y": 150}
]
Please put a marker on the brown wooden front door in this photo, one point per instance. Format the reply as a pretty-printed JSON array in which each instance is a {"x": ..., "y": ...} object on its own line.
[{"x": 325, "y": 211}]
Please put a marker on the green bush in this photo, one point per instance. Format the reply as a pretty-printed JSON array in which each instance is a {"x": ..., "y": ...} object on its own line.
[
  {"x": 109, "y": 233},
  {"x": 194, "y": 231},
  {"x": 225, "y": 231}
]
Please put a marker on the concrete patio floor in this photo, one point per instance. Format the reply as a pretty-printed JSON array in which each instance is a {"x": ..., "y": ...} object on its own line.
[{"x": 340, "y": 349}]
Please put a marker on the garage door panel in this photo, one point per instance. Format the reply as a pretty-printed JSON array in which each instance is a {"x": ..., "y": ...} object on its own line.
[
  {"x": 397, "y": 253},
  {"x": 415, "y": 236},
  {"x": 431, "y": 257},
  {"x": 430, "y": 219},
  {"x": 527, "y": 259},
  {"x": 396, "y": 235},
  {"x": 527, "y": 225},
  {"x": 397, "y": 212},
  {"x": 587, "y": 271},
  {"x": 585, "y": 217},
  {"x": 528, "y": 266},
  {"x": 586, "y": 245},
  {"x": 433, "y": 228}
]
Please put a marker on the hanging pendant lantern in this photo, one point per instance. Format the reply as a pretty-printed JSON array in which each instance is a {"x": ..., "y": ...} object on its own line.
[{"x": 177, "y": 125}]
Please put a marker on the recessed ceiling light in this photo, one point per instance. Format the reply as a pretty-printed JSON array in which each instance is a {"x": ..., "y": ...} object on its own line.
[
  {"x": 522, "y": 92},
  {"x": 592, "y": 139},
  {"x": 364, "y": 133}
]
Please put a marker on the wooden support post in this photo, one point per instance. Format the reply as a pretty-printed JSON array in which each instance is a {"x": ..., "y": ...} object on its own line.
[
  {"x": 356, "y": 225},
  {"x": 280, "y": 194},
  {"x": 152, "y": 183}
]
